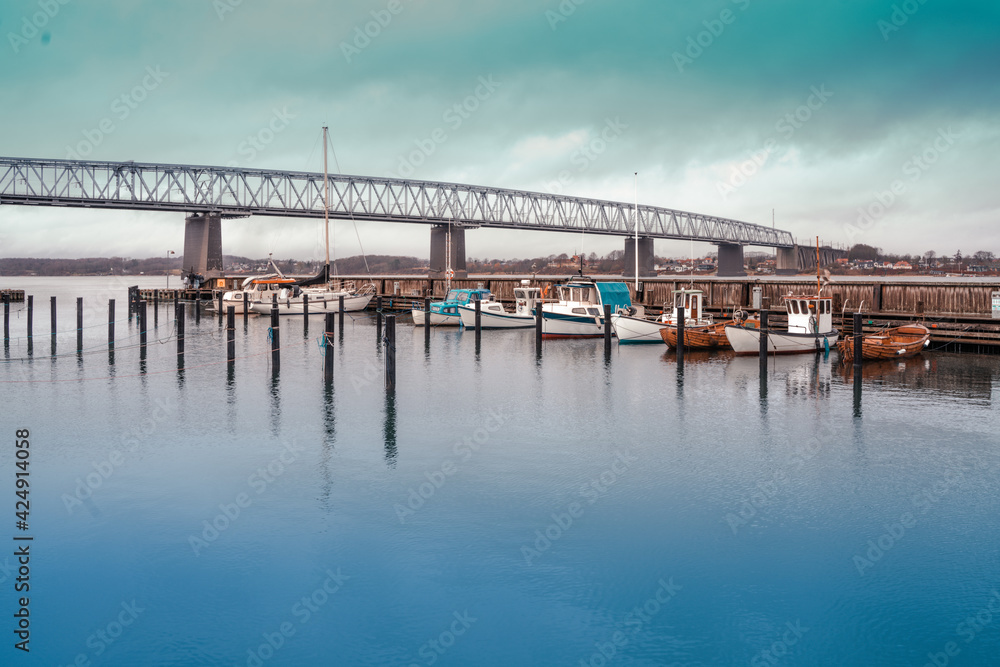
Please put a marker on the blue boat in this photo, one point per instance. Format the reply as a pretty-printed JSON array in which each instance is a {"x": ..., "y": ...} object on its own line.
[
  {"x": 445, "y": 313},
  {"x": 579, "y": 311}
]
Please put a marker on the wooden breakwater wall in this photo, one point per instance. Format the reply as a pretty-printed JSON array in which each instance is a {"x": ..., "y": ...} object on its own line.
[{"x": 966, "y": 297}]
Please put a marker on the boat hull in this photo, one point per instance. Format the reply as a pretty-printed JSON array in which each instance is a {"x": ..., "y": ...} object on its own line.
[
  {"x": 559, "y": 325},
  {"x": 437, "y": 319},
  {"x": 490, "y": 320},
  {"x": 632, "y": 330},
  {"x": 708, "y": 337},
  {"x": 896, "y": 343},
  {"x": 746, "y": 341},
  {"x": 317, "y": 305}
]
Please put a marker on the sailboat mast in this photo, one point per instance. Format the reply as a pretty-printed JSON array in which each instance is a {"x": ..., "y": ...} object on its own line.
[
  {"x": 636, "y": 250},
  {"x": 326, "y": 205}
]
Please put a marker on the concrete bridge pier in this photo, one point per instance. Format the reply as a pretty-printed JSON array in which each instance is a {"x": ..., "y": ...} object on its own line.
[
  {"x": 646, "y": 257},
  {"x": 203, "y": 244},
  {"x": 787, "y": 261},
  {"x": 730, "y": 260},
  {"x": 439, "y": 252}
]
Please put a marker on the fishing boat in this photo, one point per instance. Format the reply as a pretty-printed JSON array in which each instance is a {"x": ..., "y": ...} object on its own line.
[
  {"x": 255, "y": 288},
  {"x": 494, "y": 316},
  {"x": 810, "y": 329},
  {"x": 445, "y": 313},
  {"x": 323, "y": 295},
  {"x": 579, "y": 310},
  {"x": 631, "y": 327},
  {"x": 700, "y": 332},
  {"x": 894, "y": 343}
]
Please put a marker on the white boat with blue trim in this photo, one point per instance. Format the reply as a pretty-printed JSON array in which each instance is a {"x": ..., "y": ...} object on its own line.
[
  {"x": 494, "y": 316},
  {"x": 579, "y": 311}
]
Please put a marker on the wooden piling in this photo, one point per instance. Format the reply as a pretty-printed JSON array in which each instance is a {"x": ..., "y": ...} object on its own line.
[
  {"x": 79, "y": 325},
  {"x": 6, "y": 321},
  {"x": 275, "y": 339},
  {"x": 378, "y": 320},
  {"x": 142, "y": 329},
  {"x": 231, "y": 335},
  {"x": 763, "y": 343},
  {"x": 180, "y": 338},
  {"x": 680, "y": 335},
  {"x": 607, "y": 331},
  {"x": 111, "y": 324},
  {"x": 858, "y": 336},
  {"x": 197, "y": 311},
  {"x": 538, "y": 328},
  {"x": 305, "y": 313},
  {"x": 479, "y": 322},
  {"x": 390, "y": 353},
  {"x": 31, "y": 317},
  {"x": 328, "y": 349},
  {"x": 340, "y": 314},
  {"x": 52, "y": 322},
  {"x": 156, "y": 308},
  {"x": 218, "y": 307}
]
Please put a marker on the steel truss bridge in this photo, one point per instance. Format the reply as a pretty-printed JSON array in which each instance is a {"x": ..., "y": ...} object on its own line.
[{"x": 237, "y": 192}]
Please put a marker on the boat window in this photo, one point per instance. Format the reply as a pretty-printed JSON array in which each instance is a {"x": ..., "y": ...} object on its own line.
[
  {"x": 793, "y": 307},
  {"x": 496, "y": 308},
  {"x": 452, "y": 296},
  {"x": 519, "y": 294},
  {"x": 580, "y": 311},
  {"x": 593, "y": 311}
]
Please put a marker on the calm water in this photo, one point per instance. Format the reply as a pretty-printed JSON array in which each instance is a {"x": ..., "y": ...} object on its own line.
[{"x": 500, "y": 509}]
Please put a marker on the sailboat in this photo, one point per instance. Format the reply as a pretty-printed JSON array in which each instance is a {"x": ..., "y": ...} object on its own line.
[{"x": 318, "y": 291}]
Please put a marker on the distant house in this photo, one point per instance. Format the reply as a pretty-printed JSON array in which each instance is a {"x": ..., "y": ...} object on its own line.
[
  {"x": 902, "y": 266},
  {"x": 841, "y": 261},
  {"x": 866, "y": 264}
]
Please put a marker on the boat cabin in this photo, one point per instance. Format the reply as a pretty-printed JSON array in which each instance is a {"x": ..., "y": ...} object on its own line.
[
  {"x": 809, "y": 314},
  {"x": 589, "y": 298},
  {"x": 461, "y": 297},
  {"x": 525, "y": 298},
  {"x": 692, "y": 301}
]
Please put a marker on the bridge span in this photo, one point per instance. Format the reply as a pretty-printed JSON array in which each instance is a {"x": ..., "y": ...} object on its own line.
[{"x": 207, "y": 195}]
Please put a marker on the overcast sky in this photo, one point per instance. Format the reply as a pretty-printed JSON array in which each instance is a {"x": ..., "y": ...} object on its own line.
[{"x": 857, "y": 120}]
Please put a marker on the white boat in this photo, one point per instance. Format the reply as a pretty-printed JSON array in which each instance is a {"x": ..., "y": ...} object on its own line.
[
  {"x": 324, "y": 296},
  {"x": 579, "y": 312},
  {"x": 810, "y": 329},
  {"x": 255, "y": 288},
  {"x": 631, "y": 327},
  {"x": 494, "y": 316},
  {"x": 445, "y": 313}
]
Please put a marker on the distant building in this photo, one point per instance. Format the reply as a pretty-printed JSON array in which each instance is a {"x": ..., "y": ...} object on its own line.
[{"x": 902, "y": 266}]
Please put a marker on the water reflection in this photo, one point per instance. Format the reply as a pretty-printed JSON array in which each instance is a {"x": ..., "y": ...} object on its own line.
[
  {"x": 389, "y": 429},
  {"x": 275, "y": 396},
  {"x": 329, "y": 444}
]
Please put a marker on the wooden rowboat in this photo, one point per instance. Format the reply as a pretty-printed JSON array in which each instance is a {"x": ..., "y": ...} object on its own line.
[
  {"x": 706, "y": 337},
  {"x": 904, "y": 341}
]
